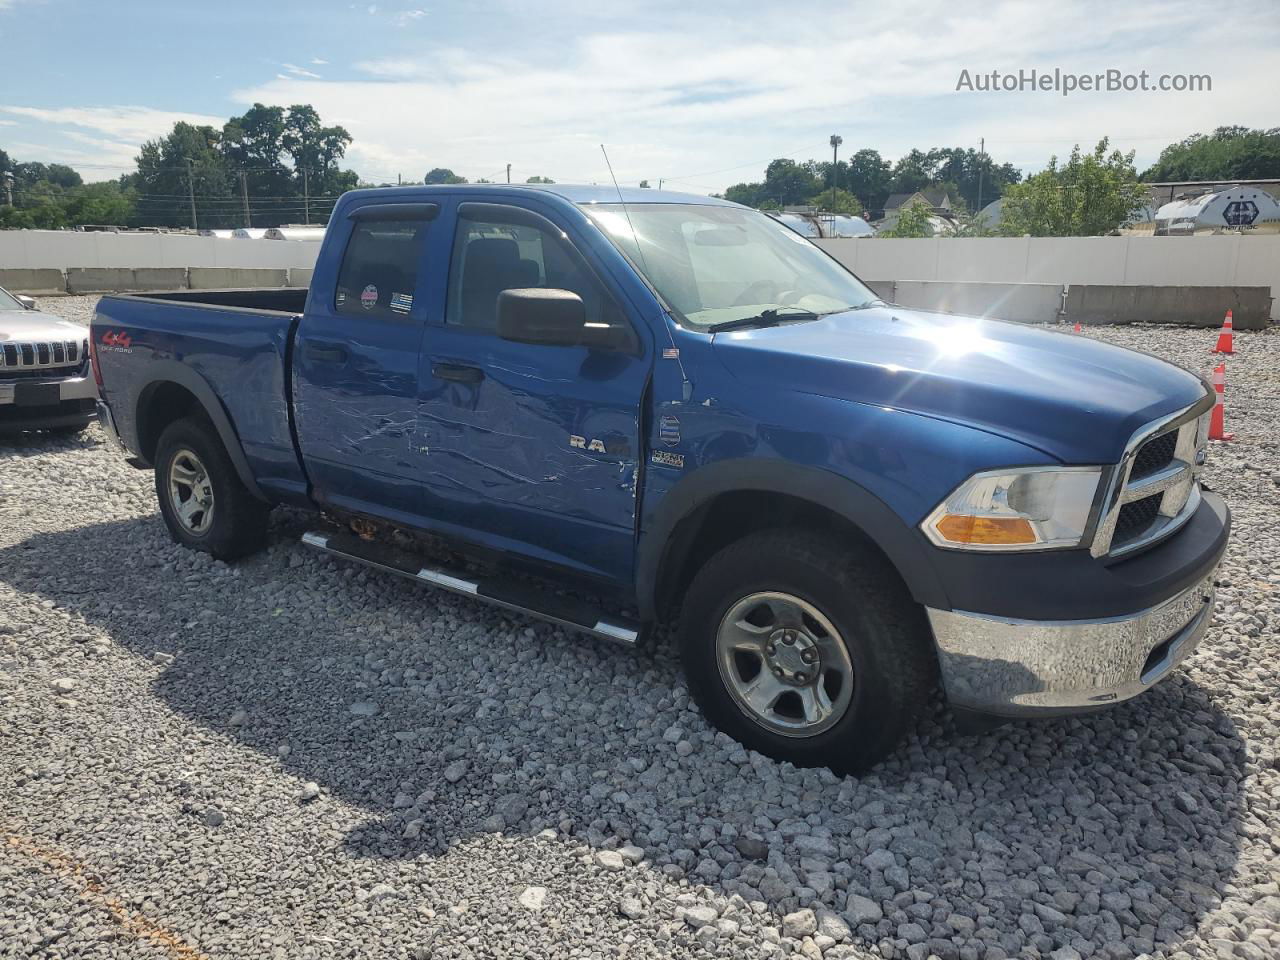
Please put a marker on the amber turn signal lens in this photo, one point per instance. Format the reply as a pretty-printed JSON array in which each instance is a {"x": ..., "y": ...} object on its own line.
[{"x": 992, "y": 530}]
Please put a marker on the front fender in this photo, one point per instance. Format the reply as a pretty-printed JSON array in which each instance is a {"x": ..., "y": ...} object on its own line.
[{"x": 905, "y": 547}]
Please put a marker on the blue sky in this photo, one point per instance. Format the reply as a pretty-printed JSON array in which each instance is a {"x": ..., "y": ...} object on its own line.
[{"x": 701, "y": 94}]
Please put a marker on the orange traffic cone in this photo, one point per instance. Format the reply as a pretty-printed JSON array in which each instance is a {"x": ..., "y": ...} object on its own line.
[
  {"x": 1216, "y": 424},
  {"x": 1224, "y": 337}
]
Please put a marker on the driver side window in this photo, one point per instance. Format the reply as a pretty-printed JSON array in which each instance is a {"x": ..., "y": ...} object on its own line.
[{"x": 491, "y": 256}]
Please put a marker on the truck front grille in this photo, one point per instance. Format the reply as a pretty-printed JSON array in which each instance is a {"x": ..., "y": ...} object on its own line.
[
  {"x": 1136, "y": 518},
  {"x": 1154, "y": 455},
  {"x": 1156, "y": 487},
  {"x": 65, "y": 357}
]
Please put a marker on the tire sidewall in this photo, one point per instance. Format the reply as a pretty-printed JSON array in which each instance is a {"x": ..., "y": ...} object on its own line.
[
  {"x": 184, "y": 434},
  {"x": 718, "y": 586}
]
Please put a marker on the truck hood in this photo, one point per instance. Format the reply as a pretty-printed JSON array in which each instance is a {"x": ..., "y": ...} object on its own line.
[
  {"x": 30, "y": 325},
  {"x": 1069, "y": 396}
]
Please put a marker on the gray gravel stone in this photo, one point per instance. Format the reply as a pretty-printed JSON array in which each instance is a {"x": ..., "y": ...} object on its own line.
[
  {"x": 1146, "y": 828},
  {"x": 800, "y": 924}
]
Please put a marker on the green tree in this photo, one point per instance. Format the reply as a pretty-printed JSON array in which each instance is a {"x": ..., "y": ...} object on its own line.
[
  {"x": 1229, "y": 153},
  {"x": 170, "y": 166},
  {"x": 539, "y": 180},
  {"x": 785, "y": 183},
  {"x": 912, "y": 222},
  {"x": 1091, "y": 195},
  {"x": 913, "y": 172},
  {"x": 443, "y": 175},
  {"x": 316, "y": 149},
  {"x": 103, "y": 203},
  {"x": 867, "y": 176},
  {"x": 644, "y": 184},
  {"x": 837, "y": 201}
]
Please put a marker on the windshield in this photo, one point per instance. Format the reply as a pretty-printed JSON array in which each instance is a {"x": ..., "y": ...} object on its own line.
[
  {"x": 7, "y": 302},
  {"x": 714, "y": 265}
]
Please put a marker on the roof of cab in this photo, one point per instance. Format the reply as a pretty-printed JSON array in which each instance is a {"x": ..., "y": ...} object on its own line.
[{"x": 574, "y": 193}]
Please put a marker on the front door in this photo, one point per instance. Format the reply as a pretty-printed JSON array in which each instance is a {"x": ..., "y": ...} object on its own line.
[
  {"x": 356, "y": 364},
  {"x": 536, "y": 445}
]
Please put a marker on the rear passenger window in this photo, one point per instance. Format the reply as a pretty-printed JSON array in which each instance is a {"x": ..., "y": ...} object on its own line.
[{"x": 379, "y": 271}]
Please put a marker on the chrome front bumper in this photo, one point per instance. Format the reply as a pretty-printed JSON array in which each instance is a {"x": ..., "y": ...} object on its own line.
[
  {"x": 69, "y": 388},
  {"x": 1015, "y": 668}
]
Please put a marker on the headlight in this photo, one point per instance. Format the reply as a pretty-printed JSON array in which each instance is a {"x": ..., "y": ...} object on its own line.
[{"x": 1033, "y": 509}]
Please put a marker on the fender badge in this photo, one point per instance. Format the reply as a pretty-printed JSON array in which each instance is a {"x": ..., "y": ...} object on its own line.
[
  {"x": 664, "y": 458},
  {"x": 669, "y": 430}
]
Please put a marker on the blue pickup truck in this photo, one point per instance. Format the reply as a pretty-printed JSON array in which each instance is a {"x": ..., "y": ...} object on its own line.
[{"x": 618, "y": 410}]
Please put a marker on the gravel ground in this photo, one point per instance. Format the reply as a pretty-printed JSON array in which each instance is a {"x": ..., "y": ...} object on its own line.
[{"x": 293, "y": 757}]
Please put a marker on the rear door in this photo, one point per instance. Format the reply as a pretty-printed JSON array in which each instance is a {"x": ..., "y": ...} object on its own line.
[
  {"x": 356, "y": 362},
  {"x": 535, "y": 446}
]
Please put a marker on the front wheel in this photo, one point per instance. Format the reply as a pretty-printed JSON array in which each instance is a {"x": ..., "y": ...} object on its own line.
[
  {"x": 804, "y": 649},
  {"x": 202, "y": 499}
]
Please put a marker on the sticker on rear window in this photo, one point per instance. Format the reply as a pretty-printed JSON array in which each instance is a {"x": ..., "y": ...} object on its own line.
[
  {"x": 402, "y": 302},
  {"x": 369, "y": 297}
]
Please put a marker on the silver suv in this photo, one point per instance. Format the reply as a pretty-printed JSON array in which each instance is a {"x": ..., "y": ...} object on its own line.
[{"x": 45, "y": 383}]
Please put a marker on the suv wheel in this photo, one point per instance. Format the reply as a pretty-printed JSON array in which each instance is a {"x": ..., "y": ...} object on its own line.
[
  {"x": 204, "y": 504},
  {"x": 805, "y": 650}
]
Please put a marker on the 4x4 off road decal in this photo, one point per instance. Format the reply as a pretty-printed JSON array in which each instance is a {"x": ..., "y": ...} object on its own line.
[{"x": 116, "y": 341}]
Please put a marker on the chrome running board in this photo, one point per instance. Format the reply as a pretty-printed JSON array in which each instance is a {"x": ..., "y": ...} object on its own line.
[{"x": 514, "y": 595}]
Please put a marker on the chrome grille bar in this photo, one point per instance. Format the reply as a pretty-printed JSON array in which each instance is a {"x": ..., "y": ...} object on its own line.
[
  {"x": 41, "y": 355},
  {"x": 1177, "y": 484}
]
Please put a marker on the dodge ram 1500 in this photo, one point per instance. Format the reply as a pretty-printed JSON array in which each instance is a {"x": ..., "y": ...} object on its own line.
[{"x": 620, "y": 409}]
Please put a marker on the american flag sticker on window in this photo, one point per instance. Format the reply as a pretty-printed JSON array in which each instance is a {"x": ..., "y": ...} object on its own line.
[{"x": 402, "y": 302}]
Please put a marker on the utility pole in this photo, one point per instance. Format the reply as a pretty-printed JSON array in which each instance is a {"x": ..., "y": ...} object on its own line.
[
  {"x": 660, "y": 183},
  {"x": 982, "y": 150},
  {"x": 835, "y": 170},
  {"x": 508, "y": 173},
  {"x": 244, "y": 197},
  {"x": 306, "y": 199},
  {"x": 191, "y": 190}
]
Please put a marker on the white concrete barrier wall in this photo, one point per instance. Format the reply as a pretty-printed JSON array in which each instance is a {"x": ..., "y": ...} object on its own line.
[
  {"x": 36, "y": 249},
  {"x": 1223, "y": 261}
]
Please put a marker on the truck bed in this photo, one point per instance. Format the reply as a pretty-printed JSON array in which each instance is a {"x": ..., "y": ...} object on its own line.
[
  {"x": 275, "y": 299},
  {"x": 229, "y": 349}
]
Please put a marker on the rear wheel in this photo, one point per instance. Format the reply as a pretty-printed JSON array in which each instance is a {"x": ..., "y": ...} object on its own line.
[
  {"x": 805, "y": 650},
  {"x": 202, "y": 499}
]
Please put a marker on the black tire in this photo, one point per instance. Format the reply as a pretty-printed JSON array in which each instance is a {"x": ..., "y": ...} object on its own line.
[
  {"x": 884, "y": 631},
  {"x": 236, "y": 525}
]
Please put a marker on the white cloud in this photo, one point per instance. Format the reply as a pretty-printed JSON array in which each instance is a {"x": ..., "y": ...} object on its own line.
[
  {"x": 705, "y": 99},
  {"x": 114, "y": 138},
  {"x": 705, "y": 94},
  {"x": 126, "y": 123},
  {"x": 406, "y": 17},
  {"x": 299, "y": 71}
]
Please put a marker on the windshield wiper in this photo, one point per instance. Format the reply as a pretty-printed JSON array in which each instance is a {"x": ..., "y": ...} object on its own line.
[{"x": 765, "y": 318}]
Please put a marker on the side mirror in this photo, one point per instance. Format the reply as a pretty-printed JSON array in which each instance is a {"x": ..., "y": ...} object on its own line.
[
  {"x": 553, "y": 318},
  {"x": 28, "y": 302}
]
